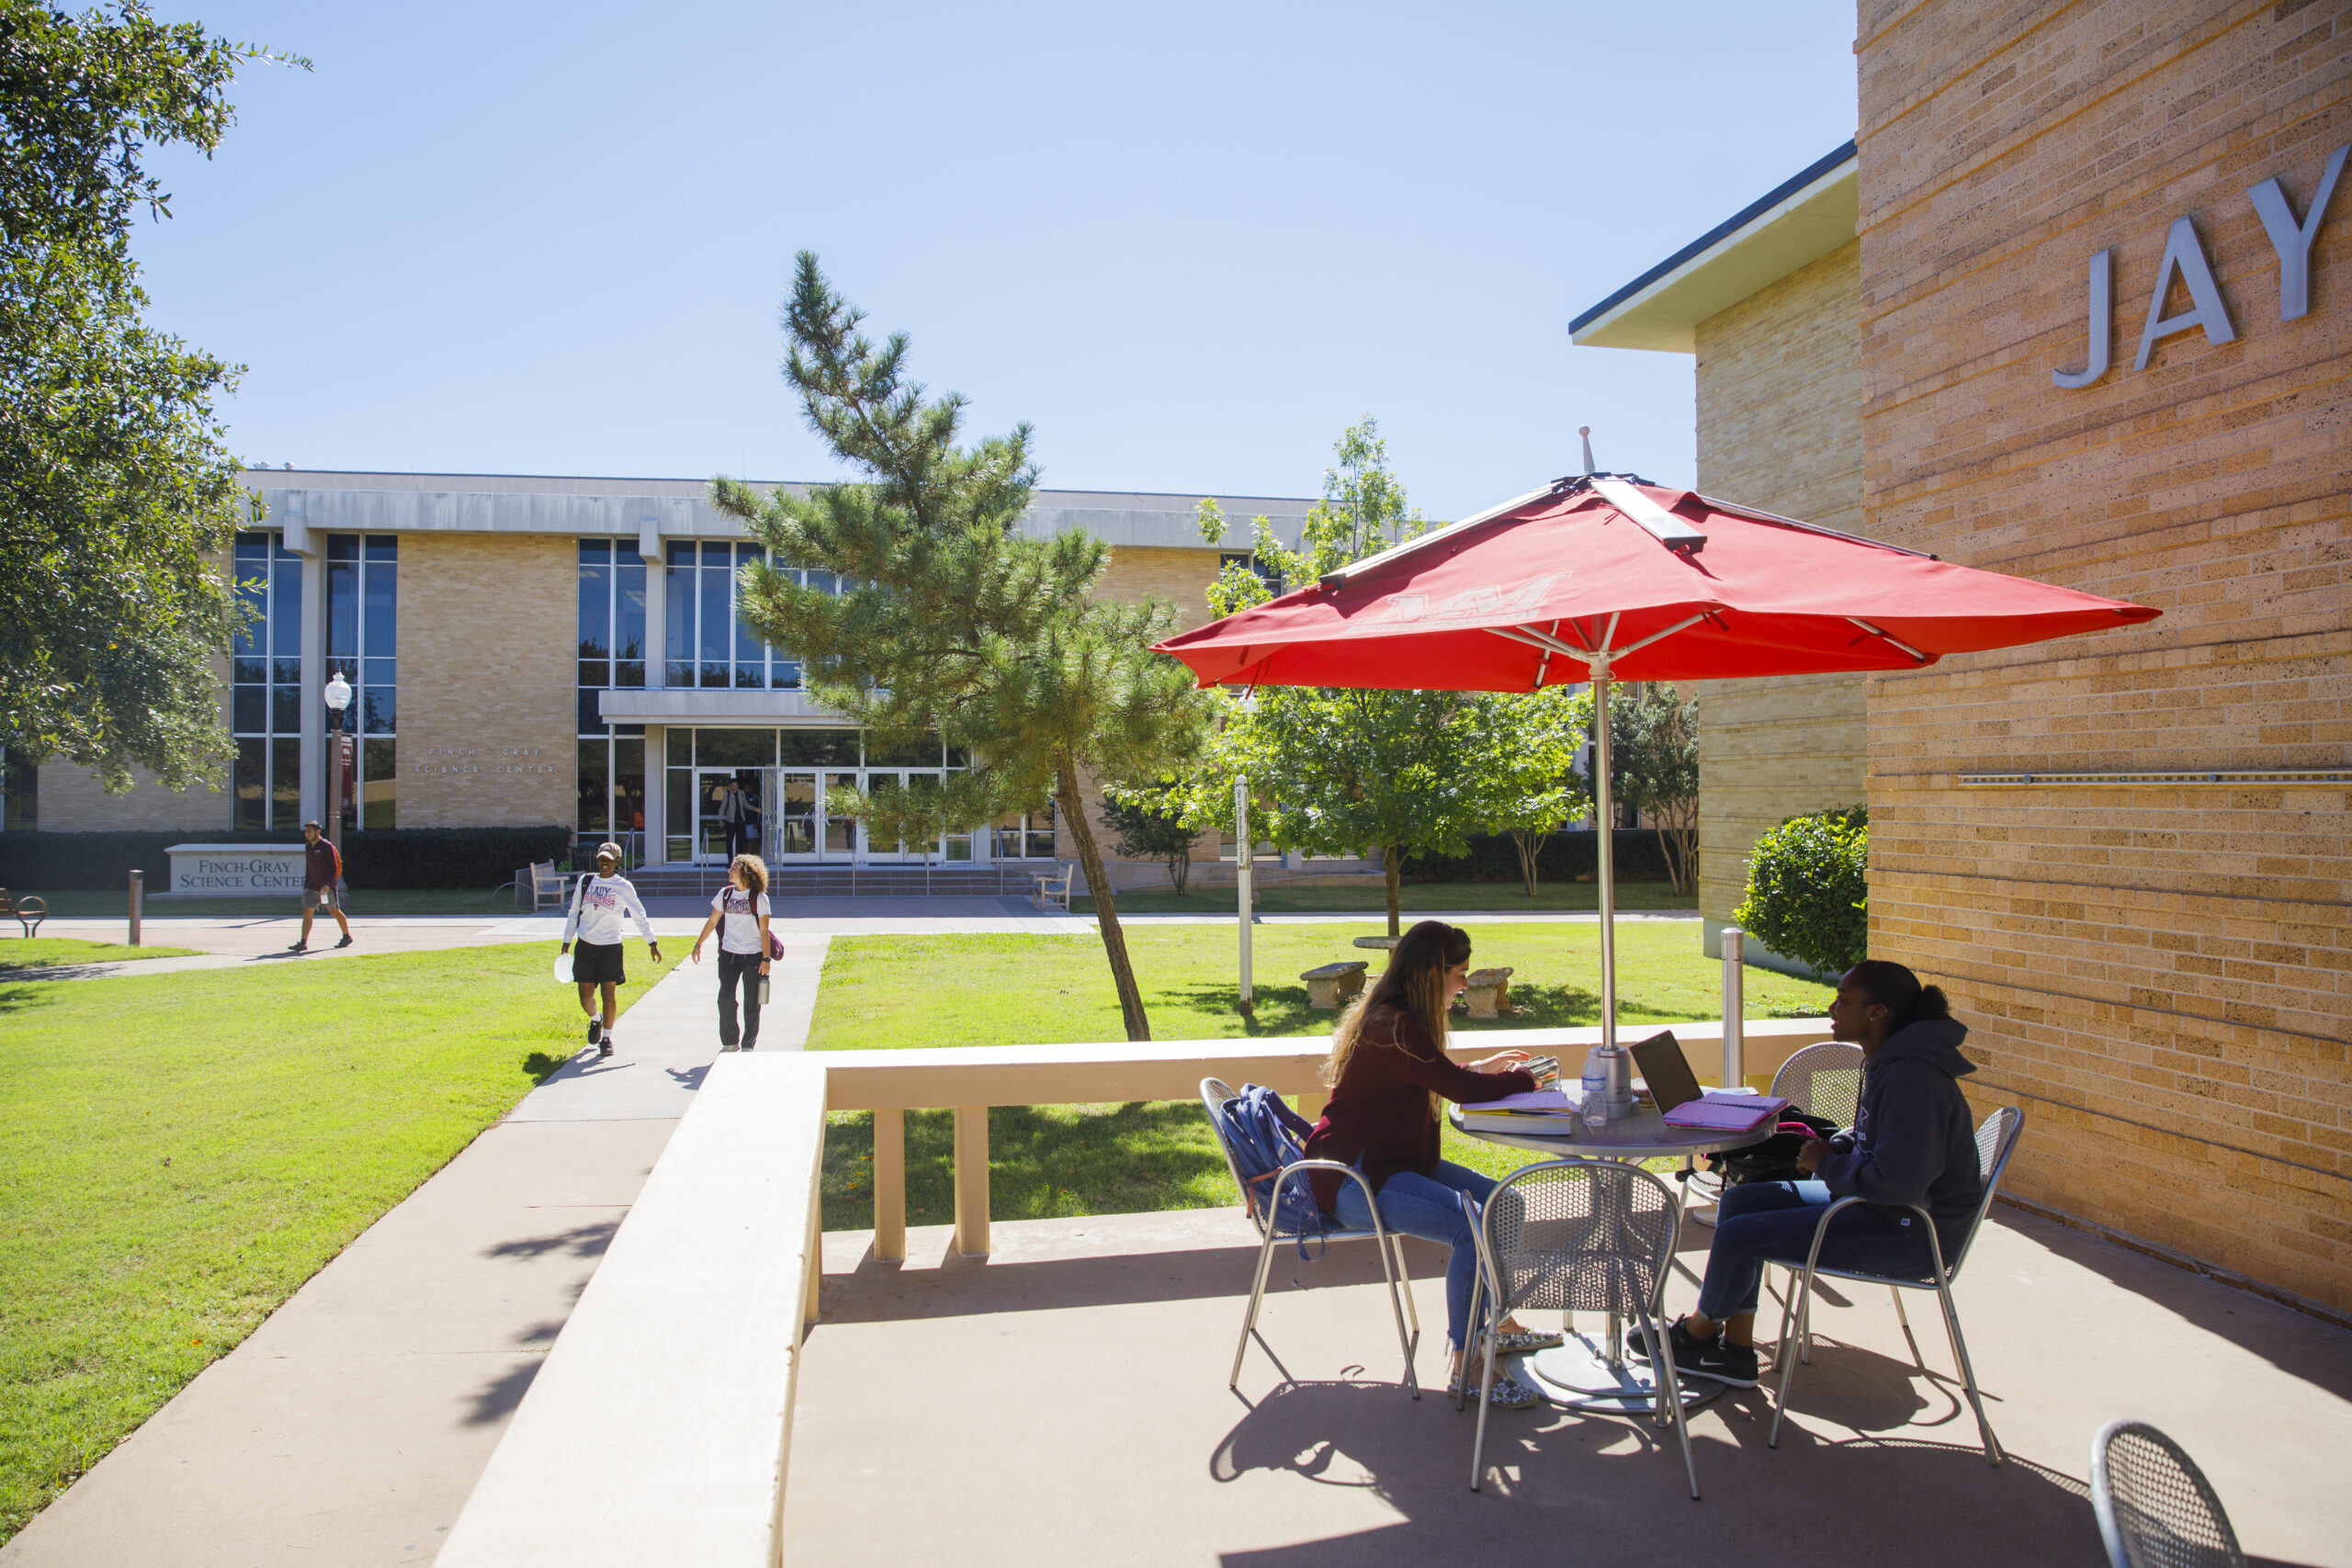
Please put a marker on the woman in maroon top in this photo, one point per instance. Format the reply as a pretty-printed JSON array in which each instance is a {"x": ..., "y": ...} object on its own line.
[{"x": 1388, "y": 1071}]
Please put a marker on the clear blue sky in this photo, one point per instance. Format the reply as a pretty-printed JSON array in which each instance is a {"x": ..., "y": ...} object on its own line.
[{"x": 1188, "y": 246}]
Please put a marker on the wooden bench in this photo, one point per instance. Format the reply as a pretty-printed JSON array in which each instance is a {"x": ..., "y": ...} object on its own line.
[
  {"x": 1332, "y": 985},
  {"x": 1053, "y": 892},
  {"x": 1489, "y": 992},
  {"x": 27, "y": 912}
]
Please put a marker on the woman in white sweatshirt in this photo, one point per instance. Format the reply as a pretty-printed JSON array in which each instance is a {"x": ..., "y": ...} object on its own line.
[{"x": 598, "y": 905}]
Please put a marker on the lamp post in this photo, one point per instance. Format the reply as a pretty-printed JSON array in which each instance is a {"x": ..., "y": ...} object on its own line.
[{"x": 338, "y": 697}]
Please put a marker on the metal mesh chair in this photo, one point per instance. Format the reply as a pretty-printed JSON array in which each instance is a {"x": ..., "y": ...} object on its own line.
[
  {"x": 1214, "y": 1092},
  {"x": 2155, "y": 1508},
  {"x": 1581, "y": 1236},
  {"x": 1996, "y": 1140},
  {"x": 1824, "y": 1080}
]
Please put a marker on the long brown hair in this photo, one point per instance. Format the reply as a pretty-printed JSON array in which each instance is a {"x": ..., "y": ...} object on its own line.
[
  {"x": 1413, "y": 984},
  {"x": 753, "y": 871}
]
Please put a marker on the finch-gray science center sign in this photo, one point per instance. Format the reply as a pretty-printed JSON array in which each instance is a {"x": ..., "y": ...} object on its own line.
[{"x": 2184, "y": 259}]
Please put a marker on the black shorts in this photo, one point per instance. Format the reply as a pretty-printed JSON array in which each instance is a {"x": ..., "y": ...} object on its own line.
[{"x": 592, "y": 962}]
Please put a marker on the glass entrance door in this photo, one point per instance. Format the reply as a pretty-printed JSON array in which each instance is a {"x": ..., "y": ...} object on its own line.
[
  {"x": 793, "y": 825},
  {"x": 723, "y": 829},
  {"x": 840, "y": 833}
]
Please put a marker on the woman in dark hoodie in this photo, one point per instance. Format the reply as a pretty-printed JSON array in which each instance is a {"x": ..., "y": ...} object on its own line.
[{"x": 1912, "y": 1142}]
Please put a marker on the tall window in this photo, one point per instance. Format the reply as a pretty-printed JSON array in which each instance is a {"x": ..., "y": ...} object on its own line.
[
  {"x": 363, "y": 627},
  {"x": 706, "y": 642},
  {"x": 611, "y": 654},
  {"x": 21, "y": 784},
  {"x": 265, "y": 688}
]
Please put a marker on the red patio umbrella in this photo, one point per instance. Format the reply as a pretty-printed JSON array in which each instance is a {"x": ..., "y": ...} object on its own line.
[{"x": 1608, "y": 577}]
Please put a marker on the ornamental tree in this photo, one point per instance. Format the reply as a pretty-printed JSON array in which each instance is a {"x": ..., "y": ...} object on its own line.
[
  {"x": 117, "y": 499},
  {"x": 1144, "y": 828},
  {"x": 951, "y": 621},
  {"x": 1808, "y": 889}
]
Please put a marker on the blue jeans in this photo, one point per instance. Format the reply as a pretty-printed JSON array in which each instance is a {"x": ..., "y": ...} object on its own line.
[
  {"x": 1772, "y": 1222},
  {"x": 1428, "y": 1207}
]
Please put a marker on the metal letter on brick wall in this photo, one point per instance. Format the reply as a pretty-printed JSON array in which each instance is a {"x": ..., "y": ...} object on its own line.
[
  {"x": 2102, "y": 280},
  {"x": 2185, "y": 254},
  {"x": 2291, "y": 239}
]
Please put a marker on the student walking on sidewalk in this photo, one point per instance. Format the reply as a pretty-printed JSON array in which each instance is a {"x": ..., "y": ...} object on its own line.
[
  {"x": 322, "y": 881},
  {"x": 741, "y": 914},
  {"x": 598, "y": 905}
]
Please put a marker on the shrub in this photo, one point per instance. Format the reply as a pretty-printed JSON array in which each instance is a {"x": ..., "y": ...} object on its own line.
[
  {"x": 393, "y": 857},
  {"x": 1808, "y": 897}
]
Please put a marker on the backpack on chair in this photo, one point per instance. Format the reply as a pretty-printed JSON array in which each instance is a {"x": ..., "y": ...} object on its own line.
[{"x": 1265, "y": 1137}]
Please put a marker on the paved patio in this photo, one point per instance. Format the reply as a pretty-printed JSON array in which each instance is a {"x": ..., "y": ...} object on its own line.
[{"x": 1063, "y": 1402}]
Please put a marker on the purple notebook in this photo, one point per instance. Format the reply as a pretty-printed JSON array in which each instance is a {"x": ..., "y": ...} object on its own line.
[{"x": 1726, "y": 1113}]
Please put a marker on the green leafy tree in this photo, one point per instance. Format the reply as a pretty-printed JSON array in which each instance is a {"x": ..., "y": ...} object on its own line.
[
  {"x": 1808, "y": 889},
  {"x": 1534, "y": 741},
  {"x": 117, "y": 499},
  {"x": 953, "y": 622},
  {"x": 1653, "y": 758},
  {"x": 1342, "y": 772},
  {"x": 1144, "y": 829}
]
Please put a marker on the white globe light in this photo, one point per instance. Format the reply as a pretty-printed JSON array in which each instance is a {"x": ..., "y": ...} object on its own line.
[{"x": 338, "y": 693}]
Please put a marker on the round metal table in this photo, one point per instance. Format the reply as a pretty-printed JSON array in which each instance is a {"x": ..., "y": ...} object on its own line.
[{"x": 1586, "y": 1372}]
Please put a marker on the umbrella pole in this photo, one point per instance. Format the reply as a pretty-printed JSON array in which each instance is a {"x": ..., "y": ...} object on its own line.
[{"x": 1606, "y": 876}]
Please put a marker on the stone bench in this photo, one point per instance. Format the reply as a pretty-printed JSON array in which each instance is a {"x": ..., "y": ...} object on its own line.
[
  {"x": 1489, "y": 992},
  {"x": 1332, "y": 985}
]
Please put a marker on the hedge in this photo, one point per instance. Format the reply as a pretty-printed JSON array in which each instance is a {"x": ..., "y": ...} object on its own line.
[
  {"x": 1565, "y": 857},
  {"x": 1808, "y": 890},
  {"x": 388, "y": 857}
]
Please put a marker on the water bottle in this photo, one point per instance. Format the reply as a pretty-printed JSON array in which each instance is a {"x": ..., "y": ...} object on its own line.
[
  {"x": 1594, "y": 1100},
  {"x": 763, "y": 990}
]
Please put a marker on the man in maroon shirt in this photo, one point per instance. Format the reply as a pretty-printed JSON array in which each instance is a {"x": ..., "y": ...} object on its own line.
[{"x": 322, "y": 877}]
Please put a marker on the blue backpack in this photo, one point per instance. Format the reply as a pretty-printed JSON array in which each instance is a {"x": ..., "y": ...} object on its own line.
[{"x": 1265, "y": 1135}]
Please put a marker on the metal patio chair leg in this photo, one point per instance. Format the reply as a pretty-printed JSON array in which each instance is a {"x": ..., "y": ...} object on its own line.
[
  {"x": 1486, "y": 1395},
  {"x": 1960, "y": 1345},
  {"x": 1250, "y": 1317},
  {"x": 1669, "y": 1395},
  {"x": 1405, "y": 1278},
  {"x": 1389, "y": 1267}
]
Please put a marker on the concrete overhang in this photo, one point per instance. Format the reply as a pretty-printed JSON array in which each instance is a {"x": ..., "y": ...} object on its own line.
[
  {"x": 690, "y": 705},
  {"x": 1798, "y": 223}
]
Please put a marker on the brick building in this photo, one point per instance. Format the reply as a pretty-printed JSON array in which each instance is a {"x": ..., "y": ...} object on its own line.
[
  {"x": 2077, "y": 305},
  {"x": 527, "y": 651}
]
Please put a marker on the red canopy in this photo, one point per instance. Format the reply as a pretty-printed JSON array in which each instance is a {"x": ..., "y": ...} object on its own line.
[{"x": 1680, "y": 586}]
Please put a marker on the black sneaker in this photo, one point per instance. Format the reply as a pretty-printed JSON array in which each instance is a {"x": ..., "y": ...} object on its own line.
[
  {"x": 595, "y": 1030},
  {"x": 1715, "y": 1359},
  {"x": 751, "y": 1044},
  {"x": 299, "y": 947},
  {"x": 345, "y": 941},
  {"x": 606, "y": 1048}
]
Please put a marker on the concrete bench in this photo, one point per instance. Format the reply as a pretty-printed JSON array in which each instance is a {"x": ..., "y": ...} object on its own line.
[
  {"x": 1332, "y": 985},
  {"x": 1489, "y": 992},
  {"x": 1379, "y": 944}
]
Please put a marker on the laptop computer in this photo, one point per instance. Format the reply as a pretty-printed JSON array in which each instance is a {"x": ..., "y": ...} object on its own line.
[{"x": 1665, "y": 1071}]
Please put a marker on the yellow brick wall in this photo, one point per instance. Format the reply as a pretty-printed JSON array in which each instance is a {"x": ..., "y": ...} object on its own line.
[
  {"x": 72, "y": 802},
  {"x": 2161, "y": 976},
  {"x": 1780, "y": 428},
  {"x": 488, "y": 632}
]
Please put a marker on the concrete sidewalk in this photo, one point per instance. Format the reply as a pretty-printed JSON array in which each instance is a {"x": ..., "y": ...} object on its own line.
[{"x": 350, "y": 1428}]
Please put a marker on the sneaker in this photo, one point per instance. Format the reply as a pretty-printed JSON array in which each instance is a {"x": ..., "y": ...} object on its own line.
[
  {"x": 1509, "y": 1392},
  {"x": 1528, "y": 1340},
  {"x": 595, "y": 1031},
  {"x": 345, "y": 941},
  {"x": 751, "y": 1044},
  {"x": 299, "y": 947},
  {"x": 605, "y": 1049},
  {"x": 1715, "y": 1359}
]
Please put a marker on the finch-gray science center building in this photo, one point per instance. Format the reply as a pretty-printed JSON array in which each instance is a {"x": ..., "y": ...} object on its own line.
[{"x": 524, "y": 651}]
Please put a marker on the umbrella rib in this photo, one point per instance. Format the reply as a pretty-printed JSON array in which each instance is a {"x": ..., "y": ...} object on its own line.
[
  {"x": 1533, "y": 639},
  {"x": 1684, "y": 625},
  {"x": 1897, "y": 641}
]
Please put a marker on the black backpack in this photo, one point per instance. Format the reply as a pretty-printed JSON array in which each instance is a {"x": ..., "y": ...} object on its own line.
[{"x": 1774, "y": 1159}]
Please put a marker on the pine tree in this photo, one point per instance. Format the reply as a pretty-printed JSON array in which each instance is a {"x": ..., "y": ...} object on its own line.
[{"x": 952, "y": 621}]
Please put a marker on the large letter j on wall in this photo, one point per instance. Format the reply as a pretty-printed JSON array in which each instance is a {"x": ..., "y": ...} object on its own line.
[{"x": 2095, "y": 357}]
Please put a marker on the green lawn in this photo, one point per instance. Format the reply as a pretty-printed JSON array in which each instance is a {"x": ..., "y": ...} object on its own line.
[
  {"x": 44, "y": 950},
  {"x": 168, "y": 1185},
  {"x": 491, "y": 902},
  {"x": 1426, "y": 897},
  {"x": 894, "y": 992}
]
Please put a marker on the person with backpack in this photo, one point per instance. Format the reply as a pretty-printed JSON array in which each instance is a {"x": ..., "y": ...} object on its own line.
[
  {"x": 598, "y": 904},
  {"x": 1388, "y": 1072},
  {"x": 740, "y": 914},
  {"x": 1913, "y": 1141},
  {"x": 322, "y": 885}
]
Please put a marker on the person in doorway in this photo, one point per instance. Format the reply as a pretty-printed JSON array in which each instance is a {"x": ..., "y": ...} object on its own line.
[
  {"x": 740, "y": 914},
  {"x": 1912, "y": 1142},
  {"x": 322, "y": 886},
  {"x": 599, "y": 904},
  {"x": 1388, "y": 1070},
  {"x": 741, "y": 815}
]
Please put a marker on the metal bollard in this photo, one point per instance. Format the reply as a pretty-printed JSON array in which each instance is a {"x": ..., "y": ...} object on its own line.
[
  {"x": 137, "y": 892},
  {"x": 1734, "y": 1008}
]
